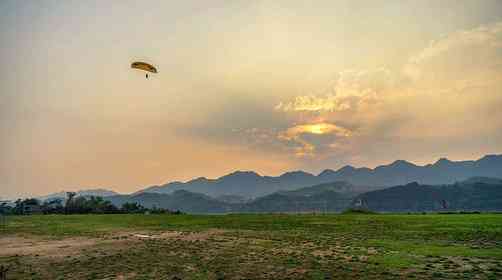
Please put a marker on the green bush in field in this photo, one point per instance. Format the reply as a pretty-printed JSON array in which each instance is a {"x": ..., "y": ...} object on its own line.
[{"x": 358, "y": 211}]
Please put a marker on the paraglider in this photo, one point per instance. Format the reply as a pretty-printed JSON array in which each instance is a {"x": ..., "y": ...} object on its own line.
[{"x": 144, "y": 66}]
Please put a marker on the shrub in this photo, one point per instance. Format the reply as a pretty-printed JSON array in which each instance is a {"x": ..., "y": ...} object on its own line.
[{"x": 358, "y": 211}]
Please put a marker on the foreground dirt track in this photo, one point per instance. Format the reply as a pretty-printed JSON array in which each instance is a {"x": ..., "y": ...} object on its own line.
[{"x": 281, "y": 247}]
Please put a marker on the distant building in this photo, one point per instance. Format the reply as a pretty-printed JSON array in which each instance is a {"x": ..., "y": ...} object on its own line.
[{"x": 359, "y": 203}]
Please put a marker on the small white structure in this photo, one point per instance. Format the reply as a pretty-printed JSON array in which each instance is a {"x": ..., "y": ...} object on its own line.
[{"x": 359, "y": 203}]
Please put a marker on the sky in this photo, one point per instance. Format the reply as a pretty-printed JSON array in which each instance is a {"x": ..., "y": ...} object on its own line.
[{"x": 269, "y": 86}]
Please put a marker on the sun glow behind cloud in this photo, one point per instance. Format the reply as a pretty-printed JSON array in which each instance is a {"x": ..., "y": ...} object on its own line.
[
  {"x": 317, "y": 128},
  {"x": 297, "y": 133}
]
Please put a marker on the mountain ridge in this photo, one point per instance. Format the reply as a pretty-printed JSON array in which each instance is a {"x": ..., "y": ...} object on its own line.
[
  {"x": 473, "y": 194},
  {"x": 251, "y": 184}
]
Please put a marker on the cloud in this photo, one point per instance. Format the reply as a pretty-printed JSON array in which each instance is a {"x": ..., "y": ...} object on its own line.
[
  {"x": 457, "y": 81},
  {"x": 328, "y": 103},
  {"x": 348, "y": 91},
  {"x": 317, "y": 128},
  {"x": 305, "y": 137},
  {"x": 328, "y": 120},
  {"x": 461, "y": 60},
  {"x": 448, "y": 90},
  {"x": 483, "y": 37}
]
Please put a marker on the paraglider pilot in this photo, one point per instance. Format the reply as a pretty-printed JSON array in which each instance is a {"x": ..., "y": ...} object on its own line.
[{"x": 145, "y": 67}]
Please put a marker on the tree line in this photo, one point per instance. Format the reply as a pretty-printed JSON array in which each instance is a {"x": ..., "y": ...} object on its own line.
[{"x": 76, "y": 205}]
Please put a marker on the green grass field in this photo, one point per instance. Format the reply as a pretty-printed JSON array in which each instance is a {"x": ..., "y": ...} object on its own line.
[{"x": 242, "y": 246}]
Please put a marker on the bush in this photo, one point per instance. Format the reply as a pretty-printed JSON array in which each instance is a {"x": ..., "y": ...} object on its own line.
[
  {"x": 358, "y": 211},
  {"x": 459, "y": 212}
]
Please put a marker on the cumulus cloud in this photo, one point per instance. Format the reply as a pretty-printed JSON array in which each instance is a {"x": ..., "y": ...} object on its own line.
[
  {"x": 461, "y": 60},
  {"x": 451, "y": 89},
  {"x": 350, "y": 90},
  {"x": 446, "y": 91}
]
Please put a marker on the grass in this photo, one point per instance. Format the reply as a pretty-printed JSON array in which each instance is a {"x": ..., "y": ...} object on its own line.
[{"x": 269, "y": 246}]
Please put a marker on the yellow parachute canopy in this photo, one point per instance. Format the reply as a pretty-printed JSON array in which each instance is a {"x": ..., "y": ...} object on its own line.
[{"x": 144, "y": 66}]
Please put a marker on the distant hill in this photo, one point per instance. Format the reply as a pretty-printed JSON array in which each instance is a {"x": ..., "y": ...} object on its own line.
[
  {"x": 339, "y": 187},
  {"x": 330, "y": 197},
  {"x": 182, "y": 200},
  {"x": 232, "y": 199},
  {"x": 246, "y": 184},
  {"x": 485, "y": 180},
  {"x": 401, "y": 172},
  {"x": 249, "y": 184},
  {"x": 326, "y": 197},
  {"x": 90, "y": 192},
  {"x": 477, "y": 193},
  {"x": 482, "y": 194}
]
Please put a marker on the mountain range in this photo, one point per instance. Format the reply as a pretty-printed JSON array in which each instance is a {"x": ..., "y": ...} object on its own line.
[
  {"x": 248, "y": 184},
  {"x": 332, "y": 197},
  {"x": 384, "y": 188},
  {"x": 474, "y": 194}
]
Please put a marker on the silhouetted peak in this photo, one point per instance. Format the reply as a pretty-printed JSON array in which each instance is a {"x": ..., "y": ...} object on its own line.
[
  {"x": 398, "y": 164},
  {"x": 346, "y": 169},
  {"x": 413, "y": 184},
  {"x": 296, "y": 174},
  {"x": 241, "y": 174},
  {"x": 402, "y": 163},
  {"x": 491, "y": 158},
  {"x": 198, "y": 180},
  {"x": 443, "y": 161},
  {"x": 327, "y": 172}
]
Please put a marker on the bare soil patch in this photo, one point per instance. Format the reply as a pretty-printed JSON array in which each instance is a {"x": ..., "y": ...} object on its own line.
[
  {"x": 37, "y": 246},
  {"x": 14, "y": 245}
]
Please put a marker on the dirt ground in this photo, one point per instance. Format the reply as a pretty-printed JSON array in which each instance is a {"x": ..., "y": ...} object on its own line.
[
  {"x": 43, "y": 247},
  {"x": 196, "y": 255}
]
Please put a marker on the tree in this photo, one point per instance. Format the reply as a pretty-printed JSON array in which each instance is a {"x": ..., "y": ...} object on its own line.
[
  {"x": 53, "y": 206},
  {"x": 69, "y": 201},
  {"x": 132, "y": 207},
  {"x": 22, "y": 204},
  {"x": 5, "y": 209}
]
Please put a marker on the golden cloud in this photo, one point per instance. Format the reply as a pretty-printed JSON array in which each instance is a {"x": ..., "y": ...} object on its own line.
[
  {"x": 329, "y": 103},
  {"x": 348, "y": 91},
  {"x": 425, "y": 98},
  {"x": 305, "y": 148},
  {"x": 317, "y": 128}
]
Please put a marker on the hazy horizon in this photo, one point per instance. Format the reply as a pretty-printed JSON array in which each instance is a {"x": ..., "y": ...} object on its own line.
[
  {"x": 140, "y": 188},
  {"x": 268, "y": 86}
]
